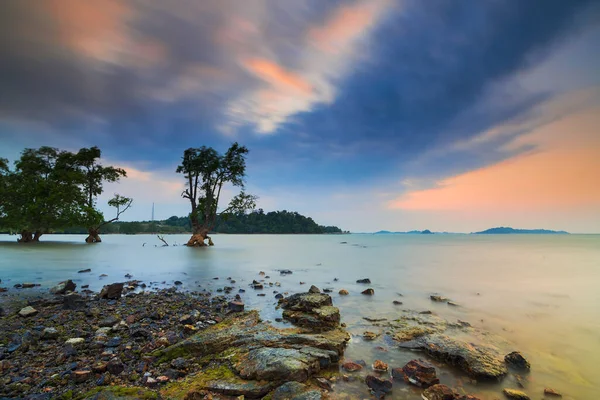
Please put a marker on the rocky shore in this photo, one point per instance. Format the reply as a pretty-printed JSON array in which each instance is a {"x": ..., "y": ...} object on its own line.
[{"x": 128, "y": 343}]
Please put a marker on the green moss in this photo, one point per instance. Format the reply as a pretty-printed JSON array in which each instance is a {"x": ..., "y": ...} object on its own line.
[{"x": 216, "y": 372}]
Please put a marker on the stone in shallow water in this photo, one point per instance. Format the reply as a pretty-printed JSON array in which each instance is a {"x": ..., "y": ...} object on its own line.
[
  {"x": 439, "y": 392},
  {"x": 351, "y": 366},
  {"x": 552, "y": 392},
  {"x": 478, "y": 361},
  {"x": 379, "y": 387},
  {"x": 515, "y": 394},
  {"x": 314, "y": 289},
  {"x": 369, "y": 292},
  {"x": 517, "y": 361},
  {"x": 63, "y": 287},
  {"x": 417, "y": 372}
]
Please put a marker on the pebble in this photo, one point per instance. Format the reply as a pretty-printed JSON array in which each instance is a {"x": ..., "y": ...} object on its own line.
[
  {"x": 75, "y": 341},
  {"x": 28, "y": 311}
]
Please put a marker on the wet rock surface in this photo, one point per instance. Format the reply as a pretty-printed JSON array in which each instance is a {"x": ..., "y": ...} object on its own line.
[
  {"x": 311, "y": 310},
  {"x": 417, "y": 372}
]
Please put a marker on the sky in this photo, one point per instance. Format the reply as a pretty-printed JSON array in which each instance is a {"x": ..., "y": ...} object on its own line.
[{"x": 366, "y": 114}]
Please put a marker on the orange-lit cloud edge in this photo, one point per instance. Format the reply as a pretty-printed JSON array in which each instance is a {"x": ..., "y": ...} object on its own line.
[{"x": 561, "y": 174}]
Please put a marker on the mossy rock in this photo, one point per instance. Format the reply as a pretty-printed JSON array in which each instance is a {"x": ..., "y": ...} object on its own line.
[{"x": 119, "y": 393}]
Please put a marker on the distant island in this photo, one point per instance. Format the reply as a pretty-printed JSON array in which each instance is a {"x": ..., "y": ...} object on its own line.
[
  {"x": 425, "y": 232},
  {"x": 274, "y": 222},
  {"x": 509, "y": 231}
]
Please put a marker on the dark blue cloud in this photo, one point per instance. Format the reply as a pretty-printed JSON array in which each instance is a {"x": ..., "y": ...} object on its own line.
[{"x": 427, "y": 68}]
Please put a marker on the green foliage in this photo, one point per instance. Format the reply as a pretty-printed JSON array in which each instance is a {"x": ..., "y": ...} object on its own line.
[
  {"x": 275, "y": 222},
  {"x": 50, "y": 190},
  {"x": 206, "y": 172}
]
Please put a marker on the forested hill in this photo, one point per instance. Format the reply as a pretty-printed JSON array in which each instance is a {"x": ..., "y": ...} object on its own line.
[{"x": 254, "y": 222}]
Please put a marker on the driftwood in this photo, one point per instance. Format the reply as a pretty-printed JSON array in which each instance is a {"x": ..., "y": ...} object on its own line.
[{"x": 162, "y": 240}]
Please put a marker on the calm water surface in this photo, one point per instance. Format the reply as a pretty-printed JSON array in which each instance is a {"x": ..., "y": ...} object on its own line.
[{"x": 541, "y": 293}]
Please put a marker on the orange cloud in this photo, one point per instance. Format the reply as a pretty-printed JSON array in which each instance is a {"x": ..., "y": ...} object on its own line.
[
  {"x": 346, "y": 24},
  {"x": 277, "y": 75},
  {"x": 95, "y": 28},
  {"x": 563, "y": 173}
]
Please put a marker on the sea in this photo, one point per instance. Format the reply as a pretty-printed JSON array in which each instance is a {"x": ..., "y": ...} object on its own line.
[{"x": 539, "y": 293}]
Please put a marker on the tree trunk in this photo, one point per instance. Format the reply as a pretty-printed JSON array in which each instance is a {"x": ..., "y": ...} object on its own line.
[
  {"x": 93, "y": 236},
  {"x": 29, "y": 237}
]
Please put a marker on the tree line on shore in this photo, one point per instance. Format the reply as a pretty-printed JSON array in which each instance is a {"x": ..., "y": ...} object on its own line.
[
  {"x": 274, "y": 222},
  {"x": 49, "y": 190}
]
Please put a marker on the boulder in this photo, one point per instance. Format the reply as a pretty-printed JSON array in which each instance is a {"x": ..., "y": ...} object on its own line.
[
  {"x": 343, "y": 292},
  {"x": 515, "y": 394},
  {"x": 63, "y": 287},
  {"x": 379, "y": 387},
  {"x": 112, "y": 291},
  {"x": 517, "y": 361},
  {"x": 369, "y": 292},
  {"x": 28, "y": 312},
  {"x": 418, "y": 372},
  {"x": 366, "y": 280},
  {"x": 440, "y": 392},
  {"x": 311, "y": 310},
  {"x": 479, "y": 361},
  {"x": 314, "y": 289},
  {"x": 236, "y": 306}
]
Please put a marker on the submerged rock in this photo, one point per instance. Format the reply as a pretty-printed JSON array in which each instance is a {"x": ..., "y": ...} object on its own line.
[
  {"x": 552, "y": 392},
  {"x": 351, "y": 366},
  {"x": 517, "y": 361},
  {"x": 515, "y": 394},
  {"x": 365, "y": 280},
  {"x": 369, "y": 292},
  {"x": 478, "y": 361},
  {"x": 417, "y": 372},
  {"x": 379, "y": 387}
]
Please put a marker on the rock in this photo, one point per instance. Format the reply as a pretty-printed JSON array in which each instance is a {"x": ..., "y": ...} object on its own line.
[
  {"x": 515, "y": 394},
  {"x": 279, "y": 296},
  {"x": 84, "y": 270},
  {"x": 370, "y": 335},
  {"x": 108, "y": 322},
  {"x": 324, "y": 384},
  {"x": 69, "y": 350},
  {"x": 417, "y": 372},
  {"x": 351, "y": 366},
  {"x": 81, "y": 376},
  {"x": 438, "y": 299},
  {"x": 517, "y": 361},
  {"x": 379, "y": 387},
  {"x": 552, "y": 392},
  {"x": 479, "y": 361},
  {"x": 285, "y": 272},
  {"x": 63, "y": 287},
  {"x": 73, "y": 301},
  {"x": 49, "y": 334},
  {"x": 380, "y": 366},
  {"x": 28, "y": 312},
  {"x": 99, "y": 367},
  {"x": 257, "y": 285},
  {"x": 295, "y": 391},
  {"x": 112, "y": 291},
  {"x": 453, "y": 304},
  {"x": 343, "y": 292},
  {"x": 113, "y": 342},
  {"x": 236, "y": 306},
  {"x": 366, "y": 280},
  {"x": 439, "y": 392},
  {"x": 115, "y": 366},
  {"x": 314, "y": 289},
  {"x": 397, "y": 303},
  {"x": 369, "y": 292},
  {"x": 177, "y": 283},
  {"x": 28, "y": 285},
  {"x": 75, "y": 341}
]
